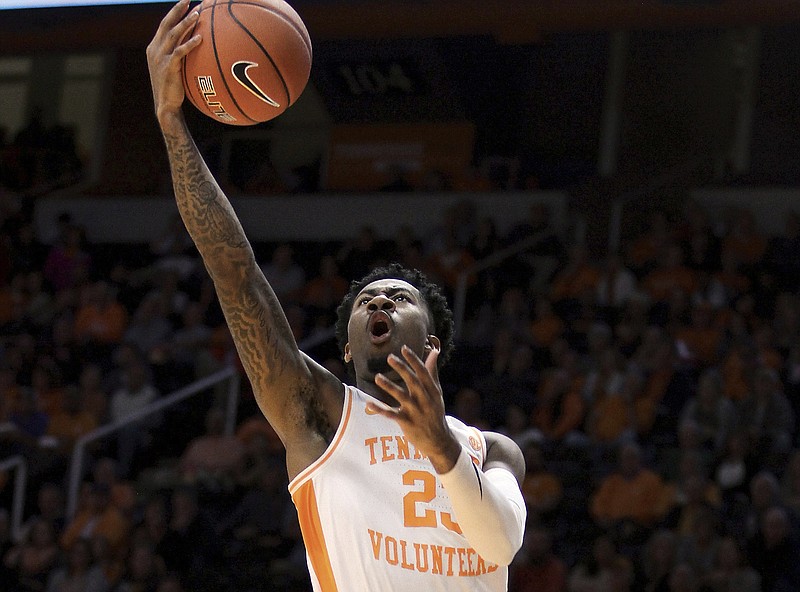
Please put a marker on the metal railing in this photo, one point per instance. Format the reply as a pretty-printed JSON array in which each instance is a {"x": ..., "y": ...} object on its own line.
[
  {"x": 18, "y": 500},
  {"x": 79, "y": 450},
  {"x": 681, "y": 171},
  {"x": 462, "y": 283}
]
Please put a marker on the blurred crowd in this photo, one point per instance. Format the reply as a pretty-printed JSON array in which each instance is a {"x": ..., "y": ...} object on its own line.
[
  {"x": 39, "y": 158},
  {"x": 654, "y": 393}
]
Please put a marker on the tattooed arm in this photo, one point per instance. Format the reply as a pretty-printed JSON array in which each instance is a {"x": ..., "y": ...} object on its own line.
[{"x": 301, "y": 400}]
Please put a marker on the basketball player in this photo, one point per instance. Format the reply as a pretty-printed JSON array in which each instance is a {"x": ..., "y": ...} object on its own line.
[{"x": 391, "y": 493}]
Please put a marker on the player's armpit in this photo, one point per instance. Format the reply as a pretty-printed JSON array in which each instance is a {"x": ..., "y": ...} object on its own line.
[{"x": 488, "y": 507}]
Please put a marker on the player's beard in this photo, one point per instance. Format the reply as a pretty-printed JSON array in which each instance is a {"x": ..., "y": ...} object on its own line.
[{"x": 378, "y": 364}]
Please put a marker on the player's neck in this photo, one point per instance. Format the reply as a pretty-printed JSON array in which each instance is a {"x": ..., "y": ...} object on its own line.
[{"x": 368, "y": 386}]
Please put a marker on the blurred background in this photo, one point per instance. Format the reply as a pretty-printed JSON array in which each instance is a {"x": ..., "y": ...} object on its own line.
[{"x": 607, "y": 190}]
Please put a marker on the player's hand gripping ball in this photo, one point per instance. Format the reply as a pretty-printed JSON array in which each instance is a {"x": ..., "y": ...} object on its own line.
[{"x": 253, "y": 63}]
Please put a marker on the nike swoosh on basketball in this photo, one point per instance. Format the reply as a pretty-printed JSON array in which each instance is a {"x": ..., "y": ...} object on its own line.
[{"x": 239, "y": 71}]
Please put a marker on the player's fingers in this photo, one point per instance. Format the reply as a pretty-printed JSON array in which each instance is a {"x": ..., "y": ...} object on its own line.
[
  {"x": 399, "y": 393},
  {"x": 174, "y": 16},
  {"x": 186, "y": 47},
  {"x": 405, "y": 371},
  {"x": 178, "y": 32},
  {"x": 383, "y": 410},
  {"x": 421, "y": 371}
]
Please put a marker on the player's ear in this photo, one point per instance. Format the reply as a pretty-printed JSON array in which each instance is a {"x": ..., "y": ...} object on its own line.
[
  {"x": 347, "y": 355},
  {"x": 432, "y": 343}
]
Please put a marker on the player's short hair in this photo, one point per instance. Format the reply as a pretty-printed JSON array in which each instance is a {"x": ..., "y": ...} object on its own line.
[{"x": 431, "y": 294}]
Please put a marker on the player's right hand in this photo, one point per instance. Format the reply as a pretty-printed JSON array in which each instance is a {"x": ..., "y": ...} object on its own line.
[{"x": 164, "y": 56}]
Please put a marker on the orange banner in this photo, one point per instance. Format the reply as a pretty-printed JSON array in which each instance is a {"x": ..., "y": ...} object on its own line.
[{"x": 371, "y": 157}]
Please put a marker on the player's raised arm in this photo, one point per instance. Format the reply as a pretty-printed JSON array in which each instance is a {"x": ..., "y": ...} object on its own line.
[{"x": 288, "y": 386}]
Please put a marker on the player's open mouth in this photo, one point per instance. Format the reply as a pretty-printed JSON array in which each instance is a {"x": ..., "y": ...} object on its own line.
[{"x": 379, "y": 327}]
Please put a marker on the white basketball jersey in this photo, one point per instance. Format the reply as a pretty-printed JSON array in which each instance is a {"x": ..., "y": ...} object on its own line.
[{"x": 375, "y": 517}]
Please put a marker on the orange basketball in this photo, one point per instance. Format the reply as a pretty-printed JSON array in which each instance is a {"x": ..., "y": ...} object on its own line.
[{"x": 253, "y": 62}]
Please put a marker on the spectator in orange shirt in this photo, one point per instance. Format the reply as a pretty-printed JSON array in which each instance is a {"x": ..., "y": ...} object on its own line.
[
  {"x": 629, "y": 500},
  {"x": 71, "y": 421},
  {"x": 541, "y": 488},
  {"x": 122, "y": 492},
  {"x": 575, "y": 279},
  {"x": 611, "y": 418},
  {"x": 670, "y": 276},
  {"x": 546, "y": 326},
  {"x": 100, "y": 319},
  {"x": 560, "y": 409},
  {"x": 98, "y": 517},
  {"x": 214, "y": 456}
]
